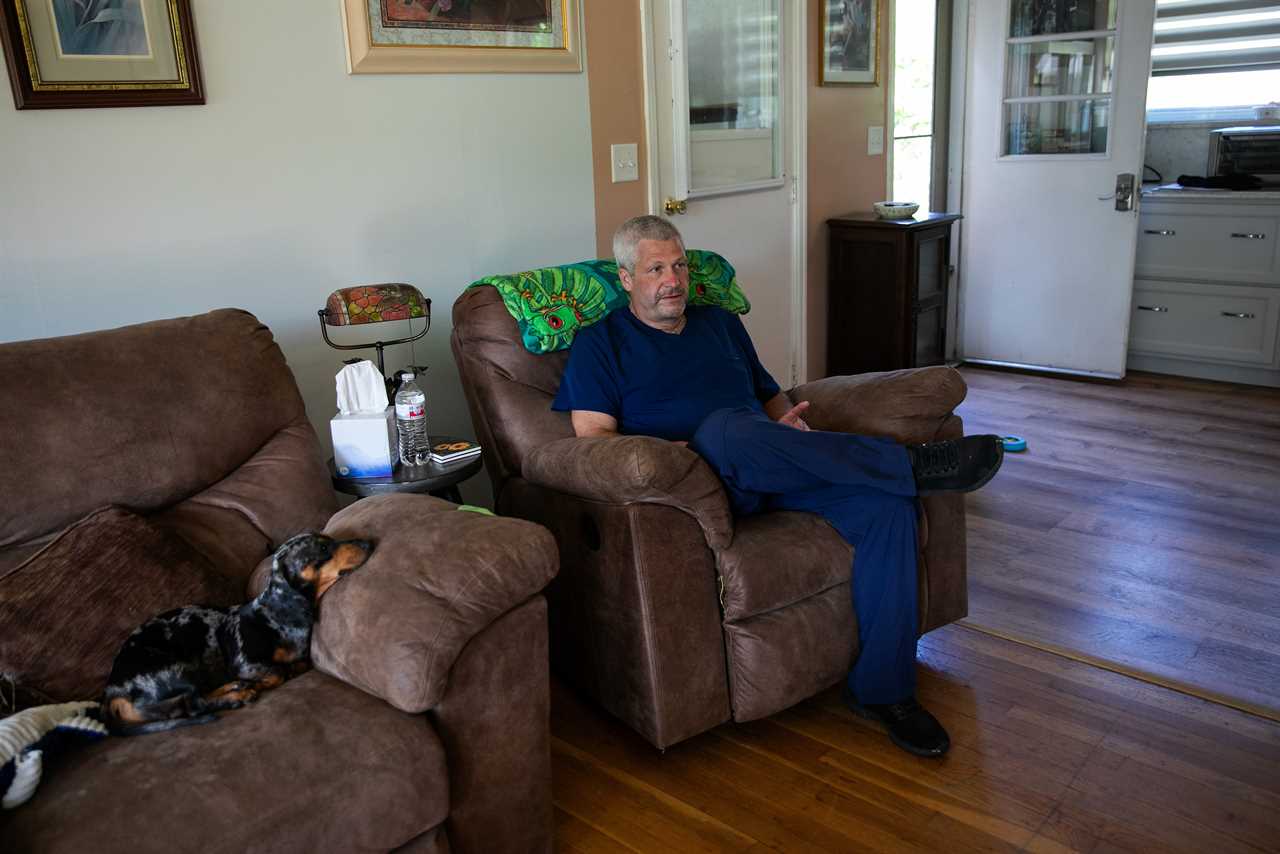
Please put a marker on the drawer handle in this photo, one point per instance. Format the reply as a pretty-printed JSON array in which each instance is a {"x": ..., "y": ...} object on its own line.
[
  {"x": 1152, "y": 308},
  {"x": 1243, "y": 315},
  {"x": 1244, "y": 235},
  {"x": 1162, "y": 232}
]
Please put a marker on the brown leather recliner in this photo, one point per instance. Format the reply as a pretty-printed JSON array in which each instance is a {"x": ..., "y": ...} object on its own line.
[
  {"x": 673, "y": 615},
  {"x": 164, "y": 460}
]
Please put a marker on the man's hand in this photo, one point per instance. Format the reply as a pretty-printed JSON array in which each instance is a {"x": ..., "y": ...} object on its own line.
[{"x": 792, "y": 416}]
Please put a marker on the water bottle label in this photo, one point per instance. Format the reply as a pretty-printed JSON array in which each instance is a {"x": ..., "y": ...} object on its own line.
[{"x": 411, "y": 410}]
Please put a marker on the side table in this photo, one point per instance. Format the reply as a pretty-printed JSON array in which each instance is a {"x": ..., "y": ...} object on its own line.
[
  {"x": 432, "y": 478},
  {"x": 887, "y": 300}
]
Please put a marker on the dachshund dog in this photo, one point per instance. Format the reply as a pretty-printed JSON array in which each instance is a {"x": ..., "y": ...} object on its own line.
[{"x": 180, "y": 667}]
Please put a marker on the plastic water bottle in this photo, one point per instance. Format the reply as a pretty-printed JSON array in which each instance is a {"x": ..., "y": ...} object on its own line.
[{"x": 411, "y": 422}]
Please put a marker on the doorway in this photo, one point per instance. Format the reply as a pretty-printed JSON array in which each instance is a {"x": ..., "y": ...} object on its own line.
[
  {"x": 725, "y": 115},
  {"x": 920, "y": 98}
]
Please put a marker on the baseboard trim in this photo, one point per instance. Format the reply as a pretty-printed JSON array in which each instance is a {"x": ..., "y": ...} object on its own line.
[
  {"x": 1042, "y": 369},
  {"x": 1206, "y": 370},
  {"x": 1132, "y": 672}
]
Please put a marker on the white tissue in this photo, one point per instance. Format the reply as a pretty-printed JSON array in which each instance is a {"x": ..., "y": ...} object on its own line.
[{"x": 361, "y": 388}]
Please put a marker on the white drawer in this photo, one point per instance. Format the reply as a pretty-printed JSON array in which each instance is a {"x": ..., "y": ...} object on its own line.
[
  {"x": 1221, "y": 323},
  {"x": 1200, "y": 246}
]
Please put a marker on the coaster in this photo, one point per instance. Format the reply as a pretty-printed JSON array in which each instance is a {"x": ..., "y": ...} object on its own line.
[{"x": 1014, "y": 443}]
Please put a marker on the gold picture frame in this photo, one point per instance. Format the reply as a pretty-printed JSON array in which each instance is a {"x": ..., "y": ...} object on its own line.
[
  {"x": 100, "y": 53},
  {"x": 849, "y": 41},
  {"x": 462, "y": 36}
]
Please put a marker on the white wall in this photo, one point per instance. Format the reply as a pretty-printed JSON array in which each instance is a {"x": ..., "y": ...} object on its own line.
[{"x": 293, "y": 180}]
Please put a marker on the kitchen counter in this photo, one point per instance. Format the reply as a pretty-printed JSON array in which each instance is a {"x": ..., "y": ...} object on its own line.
[{"x": 1176, "y": 193}]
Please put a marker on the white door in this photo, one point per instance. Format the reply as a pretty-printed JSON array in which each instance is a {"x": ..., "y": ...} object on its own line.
[
  {"x": 722, "y": 119},
  {"x": 1056, "y": 109}
]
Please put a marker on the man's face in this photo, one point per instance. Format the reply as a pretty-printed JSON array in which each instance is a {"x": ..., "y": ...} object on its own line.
[{"x": 659, "y": 287}]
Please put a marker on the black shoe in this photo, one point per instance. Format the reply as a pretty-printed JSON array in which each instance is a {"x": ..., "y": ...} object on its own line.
[
  {"x": 956, "y": 465},
  {"x": 910, "y": 726}
]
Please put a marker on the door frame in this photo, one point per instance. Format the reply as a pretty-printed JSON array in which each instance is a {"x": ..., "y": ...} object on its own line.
[{"x": 794, "y": 30}]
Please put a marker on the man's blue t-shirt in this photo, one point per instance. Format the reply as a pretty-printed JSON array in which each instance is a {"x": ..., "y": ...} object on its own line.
[{"x": 659, "y": 384}]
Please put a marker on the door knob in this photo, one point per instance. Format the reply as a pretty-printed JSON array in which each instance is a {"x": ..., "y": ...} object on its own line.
[
  {"x": 673, "y": 207},
  {"x": 1125, "y": 188}
]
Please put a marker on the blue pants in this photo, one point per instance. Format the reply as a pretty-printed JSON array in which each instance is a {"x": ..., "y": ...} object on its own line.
[{"x": 864, "y": 487}]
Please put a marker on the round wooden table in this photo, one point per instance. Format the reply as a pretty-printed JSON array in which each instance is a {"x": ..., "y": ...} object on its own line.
[{"x": 432, "y": 478}]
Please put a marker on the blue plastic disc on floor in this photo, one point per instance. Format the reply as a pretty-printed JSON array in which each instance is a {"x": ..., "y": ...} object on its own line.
[{"x": 1014, "y": 443}]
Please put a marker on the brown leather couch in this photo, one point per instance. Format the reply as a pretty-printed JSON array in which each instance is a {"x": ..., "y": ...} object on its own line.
[
  {"x": 167, "y": 459},
  {"x": 673, "y": 615}
]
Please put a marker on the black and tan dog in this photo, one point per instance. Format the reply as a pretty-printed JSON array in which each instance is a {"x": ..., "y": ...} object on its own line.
[{"x": 180, "y": 667}]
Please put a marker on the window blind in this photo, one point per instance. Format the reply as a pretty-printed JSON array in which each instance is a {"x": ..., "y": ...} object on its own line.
[{"x": 1201, "y": 36}]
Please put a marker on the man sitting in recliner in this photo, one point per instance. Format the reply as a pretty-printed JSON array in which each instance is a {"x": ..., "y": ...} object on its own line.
[{"x": 690, "y": 374}]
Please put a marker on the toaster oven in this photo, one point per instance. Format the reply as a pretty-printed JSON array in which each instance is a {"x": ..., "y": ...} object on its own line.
[{"x": 1246, "y": 150}]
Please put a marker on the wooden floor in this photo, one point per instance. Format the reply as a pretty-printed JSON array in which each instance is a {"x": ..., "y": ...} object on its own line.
[
  {"x": 1048, "y": 754},
  {"x": 1142, "y": 526}
]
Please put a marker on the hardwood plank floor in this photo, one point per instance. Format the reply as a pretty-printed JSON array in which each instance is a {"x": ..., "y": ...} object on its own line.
[
  {"x": 1049, "y": 754},
  {"x": 1141, "y": 527}
]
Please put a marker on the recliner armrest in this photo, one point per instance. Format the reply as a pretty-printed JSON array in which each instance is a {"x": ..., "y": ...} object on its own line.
[
  {"x": 629, "y": 469},
  {"x": 436, "y": 579},
  {"x": 909, "y": 406}
]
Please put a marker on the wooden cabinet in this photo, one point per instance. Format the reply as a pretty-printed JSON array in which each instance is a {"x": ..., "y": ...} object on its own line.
[{"x": 887, "y": 292}]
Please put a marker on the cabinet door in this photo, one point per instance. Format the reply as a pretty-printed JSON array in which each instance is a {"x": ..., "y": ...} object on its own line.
[
  {"x": 932, "y": 265},
  {"x": 868, "y": 309},
  {"x": 929, "y": 337},
  {"x": 1220, "y": 323}
]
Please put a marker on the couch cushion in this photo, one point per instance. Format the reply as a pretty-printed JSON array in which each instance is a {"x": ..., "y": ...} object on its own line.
[
  {"x": 282, "y": 490},
  {"x": 142, "y": 416},
  {"x": 436, "y": 579},
  {"x": 509, "y": 390},
  {"x": 314, "y": 765},
  {"x": 68, "y": 608},
  {"x": 781, "y": 656},
  {"x": 778, "y": 559}
]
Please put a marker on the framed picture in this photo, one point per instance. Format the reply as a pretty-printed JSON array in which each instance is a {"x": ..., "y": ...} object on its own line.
[
  {"x": 850, "y": 40},
  {"x": 445, "y": 36},
  {"x": 100, "y": 53}
]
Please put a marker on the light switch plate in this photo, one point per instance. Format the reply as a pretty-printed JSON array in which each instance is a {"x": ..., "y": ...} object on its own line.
[
  {"x": 623, "y": 159},
  {"x": 875, "y": 140}
]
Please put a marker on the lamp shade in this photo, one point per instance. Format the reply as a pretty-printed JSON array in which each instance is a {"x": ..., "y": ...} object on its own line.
[{"x": 374, "y": 304}]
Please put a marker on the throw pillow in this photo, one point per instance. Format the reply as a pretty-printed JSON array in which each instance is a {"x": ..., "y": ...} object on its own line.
[
  {"x": 68, "y": 608},
  {"x": 551, "y": 304}
]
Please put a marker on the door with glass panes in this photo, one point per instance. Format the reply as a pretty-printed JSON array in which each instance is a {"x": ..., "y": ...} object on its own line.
[{"x": 1055, "y": 122}]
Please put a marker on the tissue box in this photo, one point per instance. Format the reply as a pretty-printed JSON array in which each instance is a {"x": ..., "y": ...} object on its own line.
[{"x": 364, "y": 443}]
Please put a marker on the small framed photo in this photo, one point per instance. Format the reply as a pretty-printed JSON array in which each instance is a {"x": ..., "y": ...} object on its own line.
[
  {"x": 449, "y": 36},
  {"x": 100, "y": 53},
  {"x": 850, "y": 41}
]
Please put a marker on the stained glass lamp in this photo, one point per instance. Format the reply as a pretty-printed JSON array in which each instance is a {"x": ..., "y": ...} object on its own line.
[{"x": 369, "y": 304}]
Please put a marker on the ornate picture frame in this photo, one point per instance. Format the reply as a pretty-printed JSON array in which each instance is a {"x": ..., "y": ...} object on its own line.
[
  {"x": 451, "y": 36},
  {"x": 100, "y": 53},
  {"x": 849, "y": 38}
]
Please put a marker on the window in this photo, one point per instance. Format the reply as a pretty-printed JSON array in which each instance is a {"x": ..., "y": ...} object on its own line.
[
  {"x": 913, "y": 94},
  {"x": 1213, "y": 61},
  {"x": 1058, "y": 68}
]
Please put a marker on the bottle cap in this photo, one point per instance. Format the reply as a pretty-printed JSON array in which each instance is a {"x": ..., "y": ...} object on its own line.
[{"x": 406, "y": 375}]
